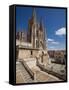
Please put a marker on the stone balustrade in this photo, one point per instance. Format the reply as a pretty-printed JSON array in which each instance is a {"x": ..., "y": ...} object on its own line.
[
  {"x": 49, "y": 71},
  {"x": 27, "y": 68}
]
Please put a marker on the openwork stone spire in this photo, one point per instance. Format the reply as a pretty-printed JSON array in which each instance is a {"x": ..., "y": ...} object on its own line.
[{"x": 34, "y": 15}]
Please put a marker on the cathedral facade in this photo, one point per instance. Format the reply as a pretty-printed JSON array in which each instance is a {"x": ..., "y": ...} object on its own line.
[
  {"x": 33, "y": 43},
  {"x": 36, "y": 32}
]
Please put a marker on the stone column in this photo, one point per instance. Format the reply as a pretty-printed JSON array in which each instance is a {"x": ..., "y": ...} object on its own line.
[{"x": 34, "y": 76}]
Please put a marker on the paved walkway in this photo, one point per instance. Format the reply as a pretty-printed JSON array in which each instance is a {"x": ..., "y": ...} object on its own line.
[{"x": 22, "y": 75}]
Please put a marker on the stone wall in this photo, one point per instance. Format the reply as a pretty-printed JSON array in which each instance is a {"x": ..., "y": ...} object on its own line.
[
  {"x": 45, "y": 59},
  {"x": 23, "y": 54},
  {"x": 27, "y": 53}
]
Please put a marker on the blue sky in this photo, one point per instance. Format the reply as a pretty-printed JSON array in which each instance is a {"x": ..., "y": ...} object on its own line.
[{"x": 54, "y": 21}]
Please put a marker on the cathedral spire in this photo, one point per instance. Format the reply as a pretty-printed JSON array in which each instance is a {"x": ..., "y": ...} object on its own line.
[
  {"x": 34, "y": 15},
  {"x": 41, "y": 25}
]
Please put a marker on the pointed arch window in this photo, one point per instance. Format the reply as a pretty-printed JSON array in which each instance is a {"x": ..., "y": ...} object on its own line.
[{"x": 37, "y": 44}]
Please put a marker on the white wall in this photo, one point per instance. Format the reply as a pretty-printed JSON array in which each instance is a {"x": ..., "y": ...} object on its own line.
[{"x": 4, "y": 45}]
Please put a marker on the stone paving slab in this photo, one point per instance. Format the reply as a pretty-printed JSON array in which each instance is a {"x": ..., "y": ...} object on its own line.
[{"x": 23, "y": 77}]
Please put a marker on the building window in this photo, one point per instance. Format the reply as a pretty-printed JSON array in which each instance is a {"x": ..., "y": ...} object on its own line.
[
  {"x": 37, "y": 44},
  {"x": 31, "y": 53},
  {"x": 37, "y": 34}
]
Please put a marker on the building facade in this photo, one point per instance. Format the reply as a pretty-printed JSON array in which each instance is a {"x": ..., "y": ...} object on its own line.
[{"x": 34, "y": 40}]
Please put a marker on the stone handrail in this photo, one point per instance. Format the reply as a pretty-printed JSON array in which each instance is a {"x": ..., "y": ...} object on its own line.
[
  {"x": 50, "y": 72},
  {"x": 27, "y": 68}
]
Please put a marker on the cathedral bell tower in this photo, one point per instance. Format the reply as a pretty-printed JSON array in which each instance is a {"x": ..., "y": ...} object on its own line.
[
  {"x": 32, "y": 29},
  {"x": 36, "y": 32}
]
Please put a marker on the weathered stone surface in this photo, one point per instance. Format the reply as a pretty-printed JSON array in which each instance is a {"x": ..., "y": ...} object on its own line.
[{"x": 22, "y": 76}]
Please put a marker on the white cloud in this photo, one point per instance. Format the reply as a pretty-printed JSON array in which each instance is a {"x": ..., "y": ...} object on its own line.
[
  {"x": 50, "y": 40},
  {"x": 51, "y": 47},
  {"x": 61, "y": 31},
  {"x": 55, "y": 42}
]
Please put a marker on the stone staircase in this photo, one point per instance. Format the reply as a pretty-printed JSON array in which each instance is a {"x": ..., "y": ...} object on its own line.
[
  {"x": 23, "y": 76},
  {"x": 23, "y": 73}
]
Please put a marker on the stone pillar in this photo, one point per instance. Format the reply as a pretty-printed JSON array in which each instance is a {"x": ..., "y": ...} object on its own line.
[{"x": 34, "y": 76}]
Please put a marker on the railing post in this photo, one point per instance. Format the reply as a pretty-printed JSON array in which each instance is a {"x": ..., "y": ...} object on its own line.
[{"x": 34, "y": 76}]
